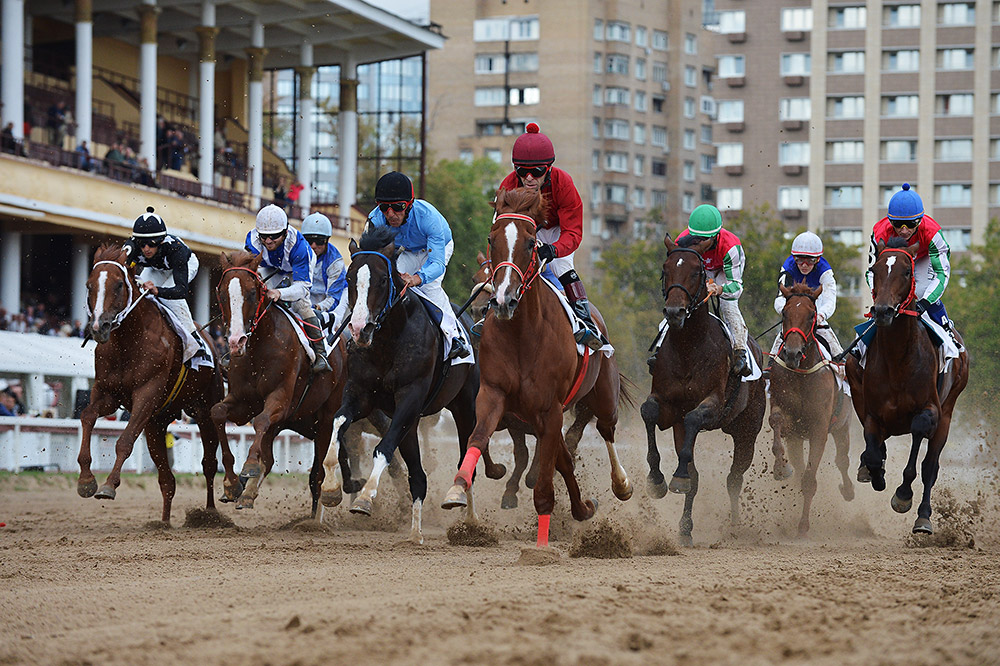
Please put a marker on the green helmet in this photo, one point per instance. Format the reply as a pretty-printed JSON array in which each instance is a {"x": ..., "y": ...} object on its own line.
[{"x": 705, "y": 220}]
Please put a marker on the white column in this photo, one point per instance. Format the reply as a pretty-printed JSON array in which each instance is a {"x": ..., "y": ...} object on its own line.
[
  {"x": 78, "y": 280},
  {"x": 12, "y": 72},
  {"x": 147, "y": 83},
  {"x": 255, "y": 118},
  {"x": 84, "y": 72},
  {"x": 306, "y": 72},
  {"x": 34, "y": 394},
  {"x": 10, "y": 270},
  {"x": 206, "y": 98},
  {"x": 202, "y": 295},
  {"x": 347, "y": 121}
]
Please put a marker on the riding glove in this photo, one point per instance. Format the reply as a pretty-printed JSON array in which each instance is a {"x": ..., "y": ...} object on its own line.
[
  {"x": 921, "y": 306},
  {"x": 546, "y": 252}
]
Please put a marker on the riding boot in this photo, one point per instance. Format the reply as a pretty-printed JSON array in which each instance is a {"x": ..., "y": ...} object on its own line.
[
  {"x": 590, "y": 335},
  {"x": 459, "y": 349},
  {"x": 315, "y": 335},
  {"x": 741, "y": 363}
]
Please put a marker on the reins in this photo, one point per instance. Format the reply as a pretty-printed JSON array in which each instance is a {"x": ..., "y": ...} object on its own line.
[
  {"x": 809, "y": 339},
  {"x": 535, "y": 267},
  {"x": 693, "y": 302},
  {"x": 392, "y": 300},
  {"x": 263, "y": 303},
  {"x": 911, "y": 297},
  {"x": 120, "y": 317}
]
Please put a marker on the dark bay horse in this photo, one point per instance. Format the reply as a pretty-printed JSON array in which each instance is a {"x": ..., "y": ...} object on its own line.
[
  {"x": 899, "y": 391},
  {"x": 396, "y": 365},
  {"x": 530, "y": 366},
  {"x": 270, "y": 380},
  {"x": 139, "y": 366},
  {"x": 515, "y": 427},
  {"x": 805, "y": 400},
  {"x": 693, "y": 389}
]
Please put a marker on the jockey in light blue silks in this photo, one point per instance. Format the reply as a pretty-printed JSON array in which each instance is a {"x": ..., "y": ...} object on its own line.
[
  {"x": 329, "y": 279},
  {"x": 286, "y": 253}
]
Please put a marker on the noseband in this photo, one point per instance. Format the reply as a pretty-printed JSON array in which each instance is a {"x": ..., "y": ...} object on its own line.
[
  {"x": 531, "y": 272},
  {"x": 693, "y": 302},
  {"x": 261, "y": 290},
  {"x": 900, "y": 308},
  {"x": 120, "y": 317},
  {"x": 390, "y": 302},
  {"x": 812, "y": 328}
]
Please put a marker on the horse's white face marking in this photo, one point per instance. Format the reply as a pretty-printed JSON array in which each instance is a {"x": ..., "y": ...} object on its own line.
[
  {"x": 510, "y": 232},
  {"x": 889, "y": 261},
  {"x": 680, "y": 262},
  {"x": 235, "y": 310},
  {"x": 359, "y": 316},
  {"x": 99, "y": 301}
]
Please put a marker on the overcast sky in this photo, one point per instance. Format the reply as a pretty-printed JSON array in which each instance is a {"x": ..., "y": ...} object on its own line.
[{"x": 418, "y": 11}]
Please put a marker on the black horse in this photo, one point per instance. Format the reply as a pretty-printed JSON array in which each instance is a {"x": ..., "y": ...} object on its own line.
[{"x": 397, "y": 365}]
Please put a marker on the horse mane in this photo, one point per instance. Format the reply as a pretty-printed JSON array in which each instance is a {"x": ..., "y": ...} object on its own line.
[
  {"x": 376, "y": 238},
  {"x": 800, "y": 288},
  {"x": 111, "y": 252},
  {"x": 522, "y": 200},
  {"x": 897, "y": 242},
  {"x": 240, "y": 258}
]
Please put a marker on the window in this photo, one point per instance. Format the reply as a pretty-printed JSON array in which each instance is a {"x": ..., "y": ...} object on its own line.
[
  {"x": 688, "y": 171},
  {"x": 640, "y": 36},
  {"x": 598, "y": 96},
  {"x": 659, "y": 136},
  {"x": 953, "y": 195},
  {"x": 730, "y": 111},
  {"x": 899, "y": 151},
  {"x": 640, "y": 69},
  {"x": 492, "y": 63},
  {"x": 845, "y": 151},
  {"x": 615, "y": 161},
  {"x": 596, "y": 128},
  {"x": 689, "y": 139},
  {"x": 640, "y": 101},
  {"x": 850, "y": 18},
  {"x": 901, "y": 61},
  {"x": 729, "y": 198},
  {"x": 524, "y": 28},
  {"x": 595, "y": 199},
  {"x": 519, "y": 96},
  {"x": 795, "y": 108},
  {"x": 902, "y": 16},
  {"x": 729, "y": 154},
  {"x": 659, "y": 198},
  {"x": 595, "y": 160},
  {"x": 690, "y": 44},
  {"x": 465, "y": 155},
  {"x": 953, "y": 105},
  {"x": 598, "y": 63},
  {"x": 731, "y": 66},
  {"x": 957, "y": 13},
  {"x": 617, "y": 64},
  {"x": 618, "y": 31},
  {"x": 658, "y": 168},
  {"x": 658, "y": 104},
  {"x": 660, "y": 41},
  {"x": 493, "y": 154},
  {"x": 687, "y": 202},
  {"x": 690, "y": 107},
  {"x": 848, "y": 62},
  {"x": 706, "y": 163},
  {"x": 523, "y": 62},
  {"x": 615, "y": 193},
  {"x": 995, "y": 149},
  {"x": 844, "y": 197},
  {"x": 616, "y": 95},
  {"x": 489, "y": 97},
  {"x": 515, "y": 28},
  {"x": 793, "y": 198},
  {"x": 599, "y": 30},
  {"x": 797, "y": 19},
  {"x": 616, "y": 129},
  {"x": 793, "y": 153},
  {"x": 639, "y": 133},
  {"x": 850, "y": 237},
  {"x": 795, "y": 64},
  {"x": 690, "y": 76},
  {"x": 845, "y": 107},
  {"x": 639, "y": 165},
  {"x": 901, "y": 106},
  {"x": 952, "y": 59},
  {"x": 887, "y": 192},
  {"x": 659, "y": 72},
  {"x": 639, "y": 197},
  {"x": 995, "y": 103},
  {"x": 706, "y": 134},
  {"x": 731, "y": 22},
  {"x": 953, "y": 150},
  {"x": 959, "y": 240}
]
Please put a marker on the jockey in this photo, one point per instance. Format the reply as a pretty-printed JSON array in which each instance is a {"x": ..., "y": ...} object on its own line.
[
  {"x": 167, "y": 266},
  {"x": 724, "y": 262},
  {"x": 806, "y": 264},
  {"x": 424, "y": 238},
  {"x": 286, "y": 253},
  {"x": 329, "y": 278},
  {"x": 561, "y": 234}
]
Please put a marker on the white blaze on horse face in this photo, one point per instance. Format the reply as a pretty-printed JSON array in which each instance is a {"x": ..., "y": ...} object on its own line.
[
  {"x": 236, "y": 331},
  {"x": 359, "y": 317},
  {"x": 99, "y": 301},
  {"x": 510, "y": 231},
  {"x": 889, "y": 261}
]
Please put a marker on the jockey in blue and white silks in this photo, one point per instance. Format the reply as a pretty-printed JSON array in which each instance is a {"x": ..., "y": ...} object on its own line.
[{"x": 329, "y": 279}]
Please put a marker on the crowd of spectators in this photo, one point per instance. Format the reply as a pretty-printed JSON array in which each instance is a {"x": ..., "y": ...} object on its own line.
[{"x": 37, "y": 318}]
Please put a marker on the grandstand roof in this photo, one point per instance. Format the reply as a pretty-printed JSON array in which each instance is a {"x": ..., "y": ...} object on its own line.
[{"x": 32, "y": 353}]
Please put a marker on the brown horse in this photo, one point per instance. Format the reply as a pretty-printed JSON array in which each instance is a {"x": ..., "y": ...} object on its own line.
[
  {"x": 139, "y": 365},
  {"x": 805, "y": 399},
  {"x": 899, "y": 390},
  {"x": 270, "y": 380},
  {"x": 693, "y": 388},
  {"x": 530, "y": 366},
  {"x": 515, "y": 427}
]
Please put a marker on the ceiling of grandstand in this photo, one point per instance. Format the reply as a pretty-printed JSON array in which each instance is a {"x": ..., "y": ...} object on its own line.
[{"x": 335, "y": 28}]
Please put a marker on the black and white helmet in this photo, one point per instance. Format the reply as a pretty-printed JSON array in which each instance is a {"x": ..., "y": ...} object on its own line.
[{"x": 149, "y": 225}]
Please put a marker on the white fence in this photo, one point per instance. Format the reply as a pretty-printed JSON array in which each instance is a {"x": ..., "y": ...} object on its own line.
[{"x": 53, "y": 445}]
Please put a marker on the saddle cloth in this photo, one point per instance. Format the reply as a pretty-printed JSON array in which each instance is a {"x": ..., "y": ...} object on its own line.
[
  {"x": 301, "y": 334},
  {"x": 577, "y": 325},
  {"x": 755, "y": 371},
  {"x": 186, "y": 338},
  {"x": 946, "y": 347},
  {"x": 435, "y": 314}
]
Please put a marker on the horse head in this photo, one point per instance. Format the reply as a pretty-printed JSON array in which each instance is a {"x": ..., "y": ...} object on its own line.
[
  {"x": 512, "y": 247},
  {"x": 893, "y": 279},
  {"x": 684, "y": 277},
  {"x": 798, "y": 322},
  {"x": 480, "y": 304},
  {"x": 110, "y": 290},
  {"x": 242, "y": 298},
  {"x": 372, "y": 283}
]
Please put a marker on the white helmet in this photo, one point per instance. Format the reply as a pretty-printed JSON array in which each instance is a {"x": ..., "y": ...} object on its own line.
[
  {"x": 271, "y": 220},
  {"x": 317, "y": 224},
  {"x": 807, "y": 244}
]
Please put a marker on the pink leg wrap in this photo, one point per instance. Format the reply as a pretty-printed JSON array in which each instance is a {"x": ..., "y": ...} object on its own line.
[
  {"x": 468, "y": 466},
  {"x": 543, "y": 531}
]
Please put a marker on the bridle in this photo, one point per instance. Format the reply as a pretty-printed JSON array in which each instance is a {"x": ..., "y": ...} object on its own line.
[
  {"x": 120, "y": 317},
  {"x": 693, "y": 301},
  {"x": 528, "y": 275},
  {"x": 809, "y": 338},
  {"x": 393, "y": 299},
  {"x": 900, "y": 308},
  {"x": 263, "y": 303}
]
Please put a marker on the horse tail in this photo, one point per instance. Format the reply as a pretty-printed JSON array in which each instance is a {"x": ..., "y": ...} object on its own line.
[{"x": 626, "y": 391}]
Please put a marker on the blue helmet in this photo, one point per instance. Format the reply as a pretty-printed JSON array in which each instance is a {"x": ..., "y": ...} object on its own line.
[{"x": 906, "y": 205}]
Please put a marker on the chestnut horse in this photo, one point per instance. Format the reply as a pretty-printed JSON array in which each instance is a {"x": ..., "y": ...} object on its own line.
[
  {"x": 530, "y": 366},
  {"x": 805, "y": 399},
  {"x": 899, "y": 390},
  {"x": 139, "y": 365},
  {"x": 693, "y": 388},
  {"x": 270, "y": 380},
  {"x": 515, "y": 427}
]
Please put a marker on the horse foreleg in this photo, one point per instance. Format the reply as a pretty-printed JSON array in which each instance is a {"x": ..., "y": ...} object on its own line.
[
  {"x": 232, "y": 486},
  {"x": 842, "y": 441},
  {"x": 817, "y": 444},
  {"x": 873, "y": 457},
  {"x": 490, "y": 407},
  {"x": 321, "y": 447},
  {"x": 156, "y": 442},
  {"x": 409, "y": 451},
  {"x": 564, "y": 464},
  {"x": 100, "y": 405},
  {"x": 929, "y": 474},
  {"x": 743, "y": 442},
  {"x": 782, "y": 470},
  {"x": 144, "y": 400},
  {"x": 260, "y": 457},
  {"x": 404, "y": 424},
  {"x": 656, "y": 485},
  {"x": 509, "y": 499},
  {"x": 693, "y": 421},
  {"x": 921, "y": 428}
]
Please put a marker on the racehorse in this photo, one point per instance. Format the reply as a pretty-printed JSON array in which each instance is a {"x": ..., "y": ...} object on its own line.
[
  {"x": 531, "y": 368},
  {"x": 899, "y": 390},
  {"x": 396, "y": 365},
  {"x": 693, "y": 388},
  {"x": 805, "y": 399},
  {"x": 270, "y": 380},
  {"x": 515, "y": 427},
  {"x": 139, "y": 365}
]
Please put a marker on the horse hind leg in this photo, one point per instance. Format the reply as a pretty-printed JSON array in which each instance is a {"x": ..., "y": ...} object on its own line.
[
  {"x": 842, "y": 441},
  {"x": 921, "y": 428},
  {"x": 156, "y": 440},
  {"x": 743, "y": 442},
  {"x": 620, "y": 484},
  {"x": 817, "y": 444},
  {"x": 656, "y": 485},
  {"x": 564, "y": 465},
  {"x": 509, "y": 499},
  {"x": 929, "y": 473},
  {"x": 686, "y": 525},
  {"x": 873, "y": 457},
  {"x": 409, "y": 451}
]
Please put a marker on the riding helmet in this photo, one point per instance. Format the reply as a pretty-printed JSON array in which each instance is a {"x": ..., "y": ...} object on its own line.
[
  {"x": 705, "y": 220},
  {"x": 394, "y": 186},
  {"x": 149, "y": 225},
  {"x": 532, "y": 148},
  {"x": 271, "y": 220},
  {"x": 906, "y": 205},
  {"x": 317, "y": 224},
  {"x": 807, "y": 244}
]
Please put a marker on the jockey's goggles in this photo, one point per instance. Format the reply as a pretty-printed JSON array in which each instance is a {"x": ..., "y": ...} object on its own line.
[
  {"x": 905, "y": 224},
  {"x": 275, "y": 236},
  {"x": 150, "y": 242},
  {"x": 398, "y": 206},
  {"x": 536, "y": 171},
  {"x": 804, "y": 259},
  {"x": 317, "y": 240}
]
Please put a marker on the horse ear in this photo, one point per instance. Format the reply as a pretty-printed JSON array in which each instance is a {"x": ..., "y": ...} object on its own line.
[
  {"x": 879, "y": 247},
  {"x": 481, "y": 258},
  {"x": 225, "y": 261},
  {"x": 390, "y": 250},
  {"x": 668, "y": 242},
  {"x": 353, "y": 247},
  {"x": 785, "y": 291},
  {"x": 255, "y": 262},
  {"x": 817, "y": 291},
  {"x": 913, "y": 249}
]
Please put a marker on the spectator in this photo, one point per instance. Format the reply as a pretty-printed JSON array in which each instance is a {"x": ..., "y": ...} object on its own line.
[
  {"x": 162, "y": 143},
  {"x": 7, "y": 141},
  {"x": 114, "y": 154},
  {"x": 8, "y": 403},
  {"x": 176, "y": 148},
  {"x": 143, "y": 175},
  {"x": 281, "y": 194},
  {"x": 58, "y": 123},
  {"x": 294, "y": 192},
  {"x": 84, "y": 160}
]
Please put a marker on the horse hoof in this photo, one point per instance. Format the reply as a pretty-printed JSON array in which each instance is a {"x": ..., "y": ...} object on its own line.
[
  {"x": 508, "y": 502},
  {"x": 530, "y": 480},
  {"x": 231, "y": 492},
  {"x": 496, "y": 471},
  {"x": 847, "y": 491},
  {"x": 803, "y": 528},
  {"x": 106, "y": 492},
  {"x": 353, "y": 486},
  {"x": 244, "y": 502},
  {"x": 923, "y": 526},
  {"x": 331, "y": 498},
  {"x": 86, "y": 488},
  {"x": 782, "y": 472},
  {"x": 900, "y": 505},
  {"x": 250, "y": 471},
  {"x": 623, "y": 492},
  {"x": 679, "y": 485},
  {"x": 656, "y": 489},
  {"x": 362, "y": 506},
  {"x": 685, "y": 540},
  {"x": 864, "y": 476},
  {"x": 878, "y": 480},
  {"x": 455, "y": 499}
]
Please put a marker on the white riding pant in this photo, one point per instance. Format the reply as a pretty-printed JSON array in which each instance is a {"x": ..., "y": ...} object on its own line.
[
  {"x": 410, "y": 262},
  {"x": 730, "y": 311},
  {"x": 560, "y": 265},
  {"x": 178, "y": 306}
]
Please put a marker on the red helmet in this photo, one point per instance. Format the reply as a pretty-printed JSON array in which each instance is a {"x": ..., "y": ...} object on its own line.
[{"x": 532, "y": 148}]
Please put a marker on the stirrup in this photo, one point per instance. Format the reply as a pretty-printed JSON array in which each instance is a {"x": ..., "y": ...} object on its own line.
[
  {"x": 320, "y": 364},
  {"x": 585, "y": 336},
  {"x": 458, "y": 349}
]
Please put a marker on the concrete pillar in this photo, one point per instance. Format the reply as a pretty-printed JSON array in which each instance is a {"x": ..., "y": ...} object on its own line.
[
  {"x": 147, "y": 82},
  {"x": 202, "y": 291},
  {"x": 80, "y": 271},
  {"x": 255, "y": 116},
  {"x": 34, "y": 394},
  {"x": 306, "y": 72},
  {"x": 10, "y": 270},
  {"x": 12, "y": 71},
  {"x": 347, "y": 122},
  {"x": 206, "y": 97},
  {"x": 84, "y": 71}
]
